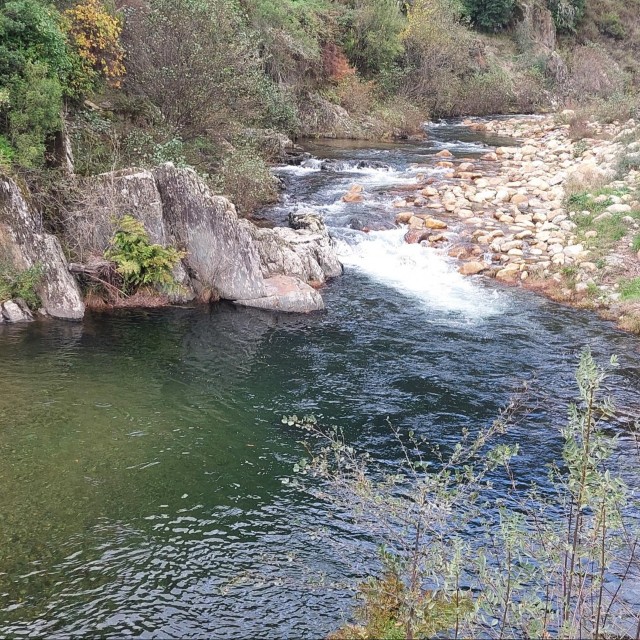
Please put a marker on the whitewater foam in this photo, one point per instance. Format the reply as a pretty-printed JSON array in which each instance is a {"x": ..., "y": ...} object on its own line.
[{"x": 418, "y": 272}]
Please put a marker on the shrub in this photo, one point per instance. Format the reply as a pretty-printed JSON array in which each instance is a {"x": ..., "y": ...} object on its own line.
[
  {"x": 372, "y": 35},
  {"x": 246, "y": 180},
  {"x": 438, "y": 55},
  {"x": 34, "y": 114},
  {"x": 20, "y": 283},
  {"x": 491, "y": 15},
  {"x": 458, "y": 562},
  {"x": 594, "y": 74},
  {"x": 194, "y": 60},
  {"x": 138, "y": 261},
  {"x": 95, "y": 35},
  {"x": 567, "y": 13}
]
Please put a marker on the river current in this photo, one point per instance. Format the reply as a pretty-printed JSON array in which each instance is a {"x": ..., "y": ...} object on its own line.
[{"x": 143, "y": 465}]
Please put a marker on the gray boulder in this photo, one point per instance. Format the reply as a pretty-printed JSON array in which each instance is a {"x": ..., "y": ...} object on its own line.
[
  {"x": 226, "y": 257},
  {"x": 221, "y": 256},
  {"x": 284, "y": 293},
  {"x": 24, "y": 244},
  {"x": 15, "y": 311}
]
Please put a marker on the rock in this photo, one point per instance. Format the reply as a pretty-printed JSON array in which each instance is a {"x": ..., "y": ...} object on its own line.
[
  {"x": 519, "y": 198},
  {"x": 226, "y": 257},
  {"x": 300, "y": 253},
  {"x": 221, "y": 256},
  {"x": 472, "y": 268},
  {"x": 306, "y": 219},
  {"x": 15, "y": 311},
  {"x": 432, "y": 223},
  {"x": 445, "y": 153},
  {"x": 619, "y": 208},
  {"x": 24, "y": 244},
  {"x": 403, "y": 217},
  {"x": 415, "y": 236},
  {"x": 489, "y": 156},
  {"x": 354, "y": 194},
  {"x": 284, "y": 293}
]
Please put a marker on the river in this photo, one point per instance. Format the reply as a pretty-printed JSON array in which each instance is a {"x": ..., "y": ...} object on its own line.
[{"x": 143, "y": 464}]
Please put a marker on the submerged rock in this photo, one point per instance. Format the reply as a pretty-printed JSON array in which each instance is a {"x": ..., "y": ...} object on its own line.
[{"x": 24, "y": 244}]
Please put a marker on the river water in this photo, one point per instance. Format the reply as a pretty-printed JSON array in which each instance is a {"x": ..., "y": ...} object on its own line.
[{"x": 143, "y": 464}]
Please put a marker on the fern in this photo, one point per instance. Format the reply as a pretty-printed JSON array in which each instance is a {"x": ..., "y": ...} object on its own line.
[{"x": 138, "y": 261}]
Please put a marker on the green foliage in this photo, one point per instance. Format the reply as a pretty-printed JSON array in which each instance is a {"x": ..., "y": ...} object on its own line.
[
  {"x": 372, "y": 35},
  {"x": 491, "y": 15},
  {"x": 635, "y": 243},
  {"x": 20, "y": 283},
  {"x": 611, "y": 26},
  {"x": 246, "y": 180},
  {"x": 7, "y": 153},
  {"x": 140, "y": 262},
  {"x": 630, "y": 289},
  {"x": 567, "y": 14},
  {"x": 34, "y": 116},
  {"x": 536, "y": 565}
]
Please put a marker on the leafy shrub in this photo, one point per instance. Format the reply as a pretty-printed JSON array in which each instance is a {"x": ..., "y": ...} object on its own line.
[
  {"x": 138, "y": 261},
  {"x": 457, "y": 560},
  {"x": 611, "y": 26},
  {"x": 34, "y": 115},
  {"x": 567, "y": 13},
  {"x": 491, "y": 15},
  {"x": 201, "y": 87},
  {"x": 246, "y": 180},
  {"x": 95, "y": 35},
  {"x": 7, "y": 153},
  {"x": 20, "y": 283},
  {"x": 438, "y": 55},
  {"x": 372, "y": 35},
  {"x": 594, "y": 74}
]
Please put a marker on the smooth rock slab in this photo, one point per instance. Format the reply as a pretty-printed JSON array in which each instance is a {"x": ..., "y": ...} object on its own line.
[{"x": 284, "y": 293}]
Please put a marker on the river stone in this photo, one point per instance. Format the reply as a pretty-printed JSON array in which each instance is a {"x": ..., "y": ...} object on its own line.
[
  {"x": 284, "y": 293},
  {"x": 24, "y": 244},
  {"x": 15, "y": 311},
  {"x": 472, "y": 268}
]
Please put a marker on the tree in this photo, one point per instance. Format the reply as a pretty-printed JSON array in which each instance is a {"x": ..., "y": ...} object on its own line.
[{"x": 491, "y": 15}]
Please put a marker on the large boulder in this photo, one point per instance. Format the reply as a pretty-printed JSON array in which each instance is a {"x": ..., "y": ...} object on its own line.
[
  {"x": 301, "y": 253},
  {"x": 284, "y": 293},
  {"x": 24, "y": 244},
  {"x": 226, "y": 257},
  {"x": 221, "y": 256}
]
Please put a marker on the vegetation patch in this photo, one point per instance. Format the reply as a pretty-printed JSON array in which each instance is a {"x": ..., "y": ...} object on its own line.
[
  {"x": 139, "y": 262},
  {"x": 20, "y": 283},
  {"x": 630, "y": 289}
]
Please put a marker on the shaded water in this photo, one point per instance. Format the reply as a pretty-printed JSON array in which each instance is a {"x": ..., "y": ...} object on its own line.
[{"x": 142, "y": 455}]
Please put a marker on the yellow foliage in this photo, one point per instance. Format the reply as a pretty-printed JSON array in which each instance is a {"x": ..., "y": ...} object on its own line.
[{"x": 95, "y": 34}]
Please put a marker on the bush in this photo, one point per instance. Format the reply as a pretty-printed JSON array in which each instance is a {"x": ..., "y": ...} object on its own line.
[
  {"x": 567, "y": 13},
  {"x": 20, "y": 283},
  {"x": 194, "y": 60},
  {"x": 438, "y": 55},
  {"x": 138, "y": 261},
  {"x": 246, "y": 180},
  {"x": 456, "y": 561},
  {"x": 491, "y": 15},
  {"x": 594, "y": 74},
  {"x": 95, "y": 35},
  {"x": 372, "y": 31}
]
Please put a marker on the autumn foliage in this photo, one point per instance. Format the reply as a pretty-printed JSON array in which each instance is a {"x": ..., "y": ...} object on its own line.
[{"x": 95, "y": 34}]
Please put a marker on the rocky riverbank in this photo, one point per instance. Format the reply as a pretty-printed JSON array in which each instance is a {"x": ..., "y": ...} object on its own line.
[
  {"x": 224, "y": 257},
  {"x": 550, "y": 213}
]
